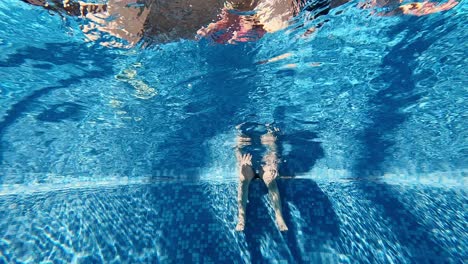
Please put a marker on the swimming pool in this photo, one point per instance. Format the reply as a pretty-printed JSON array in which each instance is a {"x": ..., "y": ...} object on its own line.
[{"x": 127, "y": 154}]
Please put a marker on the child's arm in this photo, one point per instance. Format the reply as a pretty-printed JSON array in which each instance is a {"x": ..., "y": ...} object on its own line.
[
  {"x": 425, "y": 8},
  {"x": 395, "y": 7}
]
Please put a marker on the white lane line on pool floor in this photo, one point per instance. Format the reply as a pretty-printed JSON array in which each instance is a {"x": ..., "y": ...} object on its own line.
[{"x": 61, "y": 183}]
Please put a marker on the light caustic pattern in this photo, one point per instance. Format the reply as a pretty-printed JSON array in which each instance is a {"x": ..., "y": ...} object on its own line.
[
  {"x": 125, "y": 153},
  {"x": 330, "y": 222}
]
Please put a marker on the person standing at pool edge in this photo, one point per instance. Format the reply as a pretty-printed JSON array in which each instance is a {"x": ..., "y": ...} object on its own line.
[{"x": 257, "y": 157}]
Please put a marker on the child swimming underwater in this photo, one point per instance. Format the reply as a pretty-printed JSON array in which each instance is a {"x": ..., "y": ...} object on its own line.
[{"x": 257, "y": 157}]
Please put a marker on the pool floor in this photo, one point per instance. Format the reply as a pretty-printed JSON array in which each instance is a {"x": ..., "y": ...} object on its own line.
[{"x": 343, "y": 221}]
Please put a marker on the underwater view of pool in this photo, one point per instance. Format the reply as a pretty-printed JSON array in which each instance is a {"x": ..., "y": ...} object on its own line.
[{"x": 116, "y": 150}]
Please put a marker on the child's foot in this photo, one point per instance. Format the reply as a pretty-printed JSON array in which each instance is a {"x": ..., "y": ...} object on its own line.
[
  {"x": 281, "y": 224},
  {"x": 240, "y": 226}
]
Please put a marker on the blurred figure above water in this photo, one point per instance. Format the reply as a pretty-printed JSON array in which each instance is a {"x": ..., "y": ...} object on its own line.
[{"x": 227, "y": 21}]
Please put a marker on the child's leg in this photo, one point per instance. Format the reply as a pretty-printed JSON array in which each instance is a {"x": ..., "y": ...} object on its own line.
[
  {"x": 270, "y": 172},
  {"x": 246, "y": 174}
]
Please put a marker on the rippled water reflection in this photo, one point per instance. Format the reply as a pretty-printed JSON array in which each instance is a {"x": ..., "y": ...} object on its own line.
[{"x": 100, "y": 144}]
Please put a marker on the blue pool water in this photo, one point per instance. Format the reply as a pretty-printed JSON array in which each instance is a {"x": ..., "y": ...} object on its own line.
[{"x": 127, "y": 155}]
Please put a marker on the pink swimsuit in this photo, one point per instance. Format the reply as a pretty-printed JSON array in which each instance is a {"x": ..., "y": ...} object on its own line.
[{"x": 231, "y": 28}]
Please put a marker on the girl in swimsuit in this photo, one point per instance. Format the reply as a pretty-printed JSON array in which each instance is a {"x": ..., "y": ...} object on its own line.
[{"x": 256, "y": 152}]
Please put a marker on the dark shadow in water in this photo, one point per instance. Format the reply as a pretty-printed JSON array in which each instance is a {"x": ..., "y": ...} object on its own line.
[
  {"x": 298, "y": 147},
  {"x": 60, "y": 112},
  {"x": 195, "y": 230},
  {"x": 308, "y": 213},
  {"x": 56, "y": 54},
  {"x": 214, "y": 102},
  {"x": 397, "y": 82},
  {"x": 398, "y": 92},
  {"x": 307, "y": 210},
  {"x": 187, "y": 229},
  {"x": 302, "y": 152}
]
